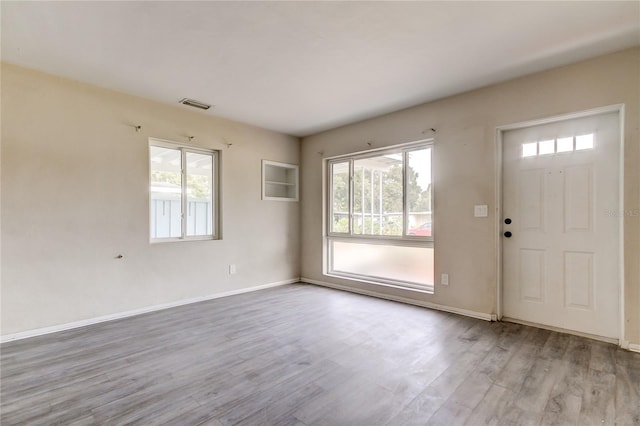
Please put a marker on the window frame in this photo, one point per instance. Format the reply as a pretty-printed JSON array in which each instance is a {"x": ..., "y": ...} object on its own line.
[
  {"x": 404, "y": 240},
  {"x": 185, "y": 149},
  {"x": 351, "y": 158}
]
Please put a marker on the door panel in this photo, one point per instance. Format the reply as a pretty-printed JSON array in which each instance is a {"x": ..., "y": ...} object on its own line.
[
  {"x": 531, "y": 196},
  {"x": 578, "y": 279},
  {"x": 532, "y": 275},
  {"x": 560, "y": 261},
  {"x": 578, "y": 198}
]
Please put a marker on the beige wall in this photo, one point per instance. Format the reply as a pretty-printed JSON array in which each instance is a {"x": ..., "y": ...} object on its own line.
[
  {"x": 75, "y": 195},
  {"x": 465, "y": 173}
]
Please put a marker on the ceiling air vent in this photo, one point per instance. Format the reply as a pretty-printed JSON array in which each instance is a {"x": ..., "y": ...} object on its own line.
[{"x": 195, "y": 104}]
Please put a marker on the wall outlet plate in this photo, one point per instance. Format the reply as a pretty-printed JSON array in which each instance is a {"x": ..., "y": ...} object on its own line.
[{"x": 480, "y": 210}]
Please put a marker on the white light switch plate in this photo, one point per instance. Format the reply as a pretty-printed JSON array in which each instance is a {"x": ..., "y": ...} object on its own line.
[{"x": 480, "y": 210}]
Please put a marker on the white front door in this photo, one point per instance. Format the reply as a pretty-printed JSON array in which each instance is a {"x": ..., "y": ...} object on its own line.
[{"x": 561, "y": 234}]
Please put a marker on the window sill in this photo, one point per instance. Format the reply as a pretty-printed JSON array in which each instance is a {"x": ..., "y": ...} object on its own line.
[
  {"x": 426, "y": 289},
  {"x": 180, "y": 240}
]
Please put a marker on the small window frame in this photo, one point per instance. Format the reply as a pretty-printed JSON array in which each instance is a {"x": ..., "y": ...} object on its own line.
[{"x": 185, "y": 149}]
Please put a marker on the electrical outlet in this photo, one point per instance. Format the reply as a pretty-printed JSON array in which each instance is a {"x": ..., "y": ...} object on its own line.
[
  {"x": 444, "y": 279},
  {"x": 232, "y": 269},
  {"x": 481, "y": 210}
]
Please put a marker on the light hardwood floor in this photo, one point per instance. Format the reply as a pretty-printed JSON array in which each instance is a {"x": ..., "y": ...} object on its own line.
[{"x": 306, "y": 355}]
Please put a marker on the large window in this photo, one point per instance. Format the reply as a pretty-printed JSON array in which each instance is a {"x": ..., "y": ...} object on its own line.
[
  {"x": 183, "y": 192},
  {"x": 380, "y": 221}
]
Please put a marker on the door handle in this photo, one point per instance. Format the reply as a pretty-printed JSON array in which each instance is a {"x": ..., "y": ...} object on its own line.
[{"x": 508, "y": 234}]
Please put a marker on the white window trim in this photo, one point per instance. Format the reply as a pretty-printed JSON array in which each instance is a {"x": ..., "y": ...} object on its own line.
[
  {"x": 215, "y": 208},
  {"x": 395, "y": 240},
  {"x": 404, "y": 149}
]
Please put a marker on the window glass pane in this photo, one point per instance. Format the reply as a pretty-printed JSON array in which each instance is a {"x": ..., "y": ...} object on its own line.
[
  {"x": 565, "y": 144},
  {"x": 377, "y": 195},
  {"x": 199, "y": 194},
  {"x": 389, "y": 262},
  {"x": 529, "y": 149},
  {"x": 546, "y": 147},
  {"x": 340, "y": 195},
  {"x": 584, "y": 142},
  {"x": 166, "y": 192},
  {"x": 419, "y": 192}
]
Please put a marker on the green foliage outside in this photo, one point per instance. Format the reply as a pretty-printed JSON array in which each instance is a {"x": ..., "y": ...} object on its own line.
[{"x": 367, "y": 185}]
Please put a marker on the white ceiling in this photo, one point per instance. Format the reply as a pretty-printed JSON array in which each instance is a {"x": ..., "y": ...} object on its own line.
[{"x": 304, "y": 67}]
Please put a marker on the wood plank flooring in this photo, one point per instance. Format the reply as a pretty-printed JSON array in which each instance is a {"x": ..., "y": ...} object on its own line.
[{"x": 306, "y": 355}]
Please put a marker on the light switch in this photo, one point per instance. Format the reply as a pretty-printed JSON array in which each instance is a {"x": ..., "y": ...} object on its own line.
[{"x": 480, "y": 210}]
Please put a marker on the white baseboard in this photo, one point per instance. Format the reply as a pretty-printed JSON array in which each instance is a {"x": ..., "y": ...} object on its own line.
[
  {"x": 465, "y": 312},
  {"x": 633, "y": 347},
  {"x": 120, "y": 315}
]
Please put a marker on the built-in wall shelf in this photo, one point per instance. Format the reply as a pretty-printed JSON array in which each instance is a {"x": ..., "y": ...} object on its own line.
[{"x": 279, "y": 181}]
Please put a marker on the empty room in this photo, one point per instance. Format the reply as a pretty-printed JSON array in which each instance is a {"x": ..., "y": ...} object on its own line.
[{"x": 320, "y": 213}]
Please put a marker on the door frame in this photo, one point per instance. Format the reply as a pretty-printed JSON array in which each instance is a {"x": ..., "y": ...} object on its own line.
[{"x": 500, "y": 130}]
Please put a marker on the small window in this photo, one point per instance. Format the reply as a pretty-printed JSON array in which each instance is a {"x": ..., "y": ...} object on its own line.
[
  {"x": 565, "y": 144},
  {"x": 584, "y": 142},
  {"x": 183, "y": 192},
  {"x": 530, "y": 149},
  {"x": 546, "y": 147},
  {"x": 552, "y": 146}
]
